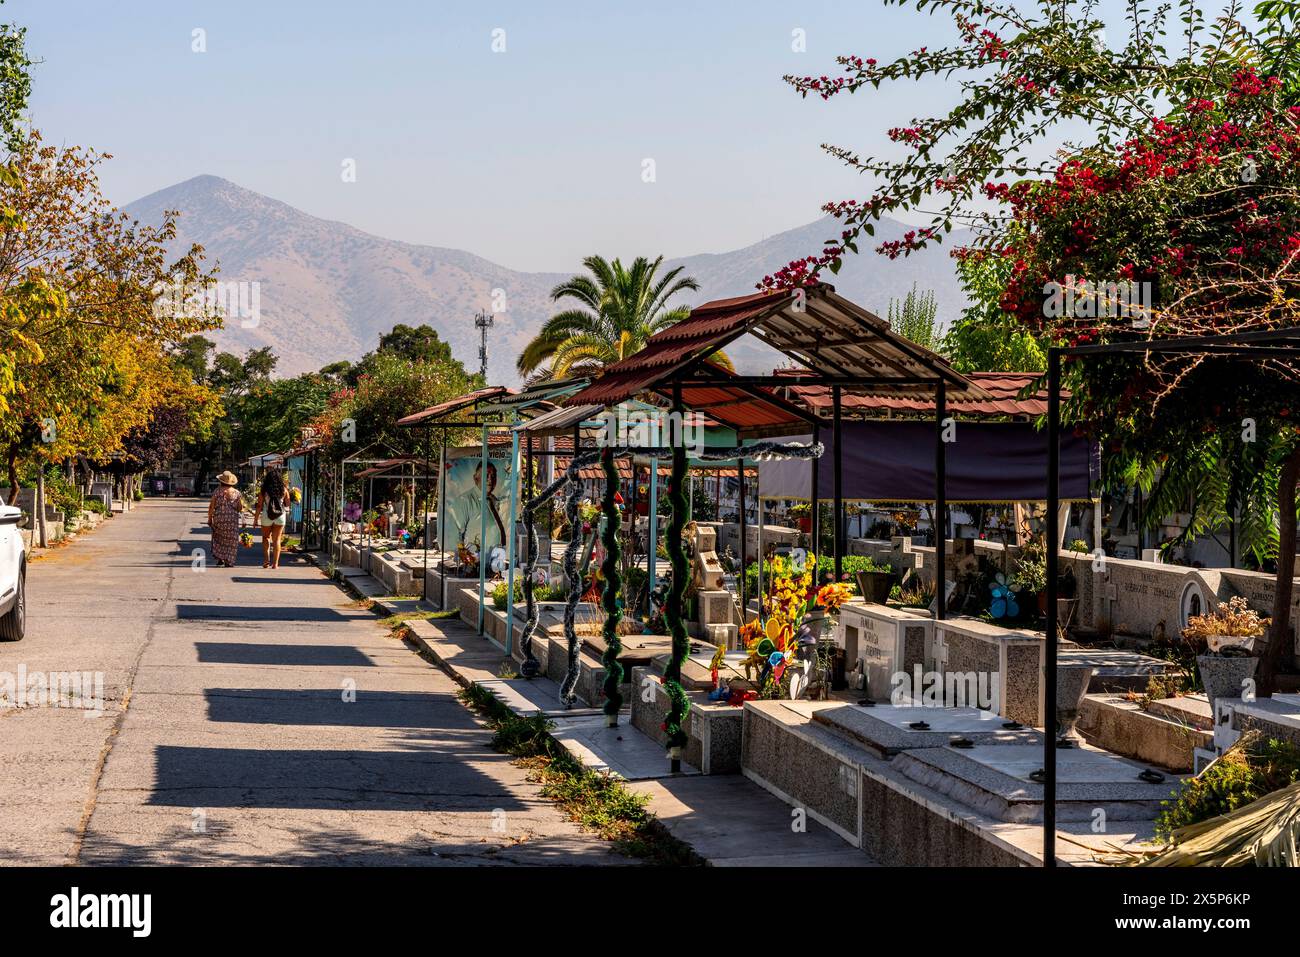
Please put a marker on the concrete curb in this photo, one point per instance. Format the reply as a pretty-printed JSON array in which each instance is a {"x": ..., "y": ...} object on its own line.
[{"x": 697, "y": 810}]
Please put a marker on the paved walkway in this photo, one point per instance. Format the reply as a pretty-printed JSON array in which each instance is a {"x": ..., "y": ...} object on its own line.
[
  {"x": 250, "y": 717},
  {"x": 727, "y": 819}
]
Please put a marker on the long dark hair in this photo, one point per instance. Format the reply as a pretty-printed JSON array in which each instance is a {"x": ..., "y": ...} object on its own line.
[{"x": 273, "y": 485}]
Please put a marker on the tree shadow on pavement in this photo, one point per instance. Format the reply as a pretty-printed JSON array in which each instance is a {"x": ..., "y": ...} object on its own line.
[
  {"x": 371, "y": 709},
  {"x": 318, "y": 656}
]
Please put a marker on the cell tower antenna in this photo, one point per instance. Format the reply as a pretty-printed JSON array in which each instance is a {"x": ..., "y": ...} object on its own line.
[{"x": 484, "y": 322}]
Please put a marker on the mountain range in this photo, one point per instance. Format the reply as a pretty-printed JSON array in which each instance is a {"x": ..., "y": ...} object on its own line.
[{"x": 328, "y": 290}]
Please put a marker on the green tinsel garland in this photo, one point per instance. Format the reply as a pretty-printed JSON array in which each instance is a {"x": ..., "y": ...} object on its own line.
[
  {"x": 678, "y": 703},
  {"x": 609, "y": 598}
]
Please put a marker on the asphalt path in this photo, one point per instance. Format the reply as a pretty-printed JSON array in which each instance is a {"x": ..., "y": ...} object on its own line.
[{"x": 247, "y": 716}]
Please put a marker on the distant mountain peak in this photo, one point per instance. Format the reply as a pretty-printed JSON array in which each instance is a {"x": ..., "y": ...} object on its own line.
[{"x": 329, "y": 290}]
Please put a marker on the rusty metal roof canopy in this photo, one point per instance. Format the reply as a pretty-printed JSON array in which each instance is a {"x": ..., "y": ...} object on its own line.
[
  {"x": 466, "y": 401},
  {"x": 836, "y": 340},
  {"x": 1005, "y": 391}
]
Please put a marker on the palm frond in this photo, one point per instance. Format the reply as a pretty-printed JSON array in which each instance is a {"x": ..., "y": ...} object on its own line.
[
  {"x": 625, "y": 306},
  {"x": 1265, "y": 833}
]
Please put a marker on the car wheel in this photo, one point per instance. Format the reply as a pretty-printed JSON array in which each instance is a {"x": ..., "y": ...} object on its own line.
[{"x": 14, "y": 623}]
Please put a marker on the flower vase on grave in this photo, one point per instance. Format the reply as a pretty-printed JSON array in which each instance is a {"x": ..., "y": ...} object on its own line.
[
  {"x": 1225, "y": 675},
  {"x": 1071, "y": 688}
]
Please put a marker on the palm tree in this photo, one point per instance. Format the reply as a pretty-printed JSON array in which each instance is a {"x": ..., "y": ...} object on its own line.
[{"x": 620, "y": 309}]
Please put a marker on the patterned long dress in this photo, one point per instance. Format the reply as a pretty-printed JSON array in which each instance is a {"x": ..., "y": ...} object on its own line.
[{"x": 225, "y": 525}]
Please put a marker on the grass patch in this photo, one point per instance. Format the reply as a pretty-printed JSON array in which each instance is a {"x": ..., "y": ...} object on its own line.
[
  {"x": 1253, "y": 767},
  {"x": 362, "y": 604},
  {"x": 596, "y": 800},
  {"x": 392, "y": 621},
  {"x": 396, "y": 624}
]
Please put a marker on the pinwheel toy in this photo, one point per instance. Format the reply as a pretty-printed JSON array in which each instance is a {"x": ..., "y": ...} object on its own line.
[{"x": 1004, "y": 602}]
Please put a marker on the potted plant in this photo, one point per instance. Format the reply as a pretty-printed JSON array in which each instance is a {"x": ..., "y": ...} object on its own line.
[
  {"x": 1030, "y": 575},
  {"x": 802, "y": 515},
  {"x": 1231, "y": 635},
  {"x": 875, "y": 582}
]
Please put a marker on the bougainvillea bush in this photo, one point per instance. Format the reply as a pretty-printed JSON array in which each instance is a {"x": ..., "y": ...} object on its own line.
[
  {"x": 1180, "y": 185},
  {"x": 1201, "y": 212}
]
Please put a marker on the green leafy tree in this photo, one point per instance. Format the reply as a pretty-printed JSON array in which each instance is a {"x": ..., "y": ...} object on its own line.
[
  {"x": 272, "y": 413},
  {"x": 985, "y": 338},
  {"x": 914, "y": 318},
  {"x": 412, "y": 343},
  {"x": 393, "y": 387},
  {"x": 15, "y": 84},
  {"x": 618, "y": 309}
]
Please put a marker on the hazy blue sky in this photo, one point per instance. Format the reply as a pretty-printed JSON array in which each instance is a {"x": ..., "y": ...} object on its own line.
[{"x": 531, "y": 157}]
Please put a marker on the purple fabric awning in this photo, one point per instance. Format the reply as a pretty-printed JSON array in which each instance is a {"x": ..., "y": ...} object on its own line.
[{"x": 888, "y": 461}]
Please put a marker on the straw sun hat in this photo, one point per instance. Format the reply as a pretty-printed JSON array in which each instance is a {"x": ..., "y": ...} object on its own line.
[{"x": 228, "y": 478}]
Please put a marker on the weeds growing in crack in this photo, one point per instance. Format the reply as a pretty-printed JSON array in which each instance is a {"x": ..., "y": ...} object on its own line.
[{"x": 596, "y": 800}]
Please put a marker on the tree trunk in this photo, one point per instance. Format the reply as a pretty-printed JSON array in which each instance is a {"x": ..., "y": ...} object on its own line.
[
  {"x": 43, "y": 531},
  {"x": 1279, "y": 643}
]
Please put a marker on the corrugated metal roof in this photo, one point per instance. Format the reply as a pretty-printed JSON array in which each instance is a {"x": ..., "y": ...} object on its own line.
[
  {"x": 454, "y": 405},
  {"x": 379, "y": 468},
  {"x": 827, "y": 333},
  {"x": 1003, "y": 389},
  {"x": 537, "y": 398},
  {"x": 560, "y": 421}
]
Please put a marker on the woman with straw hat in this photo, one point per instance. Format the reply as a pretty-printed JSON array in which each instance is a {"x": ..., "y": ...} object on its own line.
[{"x": 224, "y": 511}]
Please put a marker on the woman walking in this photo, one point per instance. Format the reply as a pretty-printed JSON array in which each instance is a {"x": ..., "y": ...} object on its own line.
[
  {"x": 272, "y": 512},
  {"x": 224, "y": 510}
]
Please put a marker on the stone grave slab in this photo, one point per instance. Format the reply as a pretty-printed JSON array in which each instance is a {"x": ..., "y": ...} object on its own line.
[
  {"x": 886, "y": 729},
  {"x": 713, "y": 729},
  {"x": 622, "y": 750},
  {"x": 733, "y": 663},
  {"x": 885, "y": 640},
  {"x": 996, "y": 780},
  {"x": 1163, "y": 739},
  {"x": 695, "y": 671},
  {"x": 1117, "y": 670},
  {"x": 1192, "y": 710},
  {"x": 1278, "y": 716},
  {"x": 541, "y": 696},
  {"x": 1007, "y": 663}
]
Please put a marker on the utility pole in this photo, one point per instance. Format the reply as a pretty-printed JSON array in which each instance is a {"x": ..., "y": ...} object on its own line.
[{"x": 484, "y": 322}]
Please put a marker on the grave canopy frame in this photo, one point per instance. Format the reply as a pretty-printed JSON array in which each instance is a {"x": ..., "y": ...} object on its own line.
[{"x": 1255, "y": 346}]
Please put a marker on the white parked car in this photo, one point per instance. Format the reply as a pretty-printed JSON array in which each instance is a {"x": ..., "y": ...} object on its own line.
[{"x": 13, "y": 575}]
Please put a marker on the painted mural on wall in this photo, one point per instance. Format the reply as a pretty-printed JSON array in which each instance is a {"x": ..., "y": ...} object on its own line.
[{"x": 464, "y": 484}]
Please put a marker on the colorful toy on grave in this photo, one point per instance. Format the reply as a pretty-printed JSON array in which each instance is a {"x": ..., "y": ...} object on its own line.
[
  {"x": 1004, "y": 601},
  {"x": 719, "y": 655}
]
